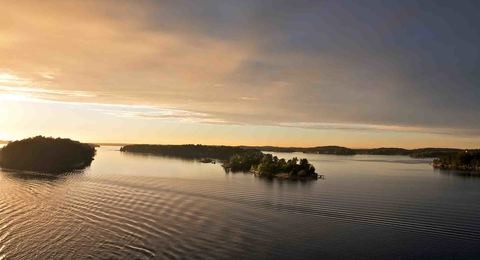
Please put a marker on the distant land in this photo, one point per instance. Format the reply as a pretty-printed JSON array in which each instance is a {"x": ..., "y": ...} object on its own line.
[
  {"x": 340, "y": 150},
  {"x": 429, "y": 152},
  {"x": 234, "y": 159},
  {"x": 188, "y": 151},
  {"x": 252, "y": 159},
  {"x": 464, "y": 161}
]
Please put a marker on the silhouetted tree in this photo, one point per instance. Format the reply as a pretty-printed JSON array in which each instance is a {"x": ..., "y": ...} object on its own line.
[
  {"x": 468, "y": 160},
  {"x": 267, "y": 165}
]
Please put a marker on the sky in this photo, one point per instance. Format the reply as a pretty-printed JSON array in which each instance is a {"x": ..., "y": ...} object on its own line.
[{"x": 285, "y": 73}]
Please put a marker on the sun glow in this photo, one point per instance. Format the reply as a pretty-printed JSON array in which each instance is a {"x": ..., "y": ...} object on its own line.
[
  {"x": 15, "y": 97},
  {"x": 11, "y": 79},
  {"x": 6, "y": 77}
]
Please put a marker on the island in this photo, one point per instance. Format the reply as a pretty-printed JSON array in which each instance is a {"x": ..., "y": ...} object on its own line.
[
  {"x": 468, "y": 160},
  {"x": 234, "y": 159},
  {"x": 269, "y": 166},
  {"x": 46, "y": 155},
  {"x": 186, "y": 151}
]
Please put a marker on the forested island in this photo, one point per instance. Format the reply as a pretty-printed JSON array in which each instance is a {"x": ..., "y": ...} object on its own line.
[
  {"x": 187, "y": 151},
  {"x": 46, "y": 154},
  {"x": 468, "y": 160},
  {"x": 234, "y": 159},
  {"x": 267, "y": 165}
]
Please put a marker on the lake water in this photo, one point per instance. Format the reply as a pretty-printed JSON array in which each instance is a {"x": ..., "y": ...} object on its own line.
[{"x": 143, "y": 207}]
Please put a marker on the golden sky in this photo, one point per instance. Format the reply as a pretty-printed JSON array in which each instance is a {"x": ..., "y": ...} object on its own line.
[{"x": 235, "y": 72}]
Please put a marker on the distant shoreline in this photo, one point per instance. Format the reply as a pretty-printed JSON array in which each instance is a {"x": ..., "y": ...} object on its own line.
[
  {"x": 427, "y": 152},
  {"x": 340, "y": 150},
  {"x": 245, "y": 157}
]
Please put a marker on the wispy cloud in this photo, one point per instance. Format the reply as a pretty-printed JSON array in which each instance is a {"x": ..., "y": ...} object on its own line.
[
  {"x": 46, "y": 93},
  {"x": 158, "y": 113},
  {"x": 249, "y": 98},
  {"x": 28, "y": 94},
  {"x": 172, "y": 114}
]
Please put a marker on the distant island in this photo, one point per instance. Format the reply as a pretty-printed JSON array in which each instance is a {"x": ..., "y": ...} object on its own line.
[
  {"x": 468, "y": 160},
  {"x": 234, "y": 159},
  {"x": 46, "y": 154},
  {"x": 331, "y": 149},
  {"x": 339, "y": 150},
  {"x": 187, "y": 151}
]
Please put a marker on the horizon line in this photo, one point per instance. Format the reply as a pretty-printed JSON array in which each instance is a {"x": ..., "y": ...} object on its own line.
[{"x": 273, "y": 146}]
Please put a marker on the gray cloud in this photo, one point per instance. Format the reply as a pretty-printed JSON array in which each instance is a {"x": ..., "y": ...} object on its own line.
[{"x": 398, "y": 63}]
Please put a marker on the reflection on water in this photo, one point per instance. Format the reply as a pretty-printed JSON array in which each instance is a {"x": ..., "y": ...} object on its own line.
[
  {"x": 146, "y": 207},
  {"x": 28, "y": 176},
  {"x": 456, "y": 173}
]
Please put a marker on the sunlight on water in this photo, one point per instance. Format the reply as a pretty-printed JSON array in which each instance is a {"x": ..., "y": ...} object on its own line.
[{"x": 143, "y": 207}]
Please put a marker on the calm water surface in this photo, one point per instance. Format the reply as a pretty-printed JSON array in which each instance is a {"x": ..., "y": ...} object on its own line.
[{"x": 143, "y": 207}]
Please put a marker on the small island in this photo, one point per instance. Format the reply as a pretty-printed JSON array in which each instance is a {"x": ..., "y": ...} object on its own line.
[
  {"x": 234, "y": 159},
  {"x": 468, "y": 160},
  {"x": 269, "y": 166},
  {"x": 46, "y": 155}
]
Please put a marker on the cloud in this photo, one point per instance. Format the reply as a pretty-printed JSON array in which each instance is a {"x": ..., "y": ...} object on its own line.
[
  {"x": 313, "y": 64},
  {"x": 156, "y": 113}
]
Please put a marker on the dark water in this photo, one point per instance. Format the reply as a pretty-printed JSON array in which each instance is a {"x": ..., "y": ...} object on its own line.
[{"x": 139, "y": 207}]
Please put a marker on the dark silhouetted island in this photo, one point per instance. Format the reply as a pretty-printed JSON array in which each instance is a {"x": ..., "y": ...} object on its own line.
[
  {"x": 269, "y": 166},
  {"x": 46, "y": 154},
  {"x": 234, "y": 159},
  {"x": 187, "y": 151},
  {"x": 468, "y": 160}
]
